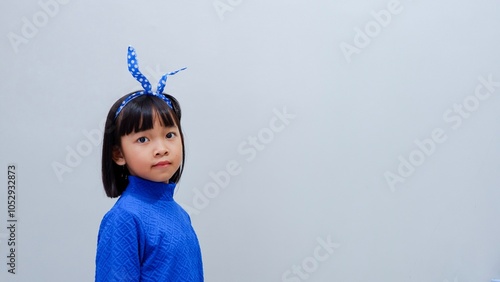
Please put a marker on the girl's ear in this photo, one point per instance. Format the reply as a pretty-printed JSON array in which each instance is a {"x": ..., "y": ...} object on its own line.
[{"x": 118, "y": 156}]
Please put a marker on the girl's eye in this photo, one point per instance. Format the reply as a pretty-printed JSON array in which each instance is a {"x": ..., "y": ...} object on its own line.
[
  {"x": 142, "y": 139},
  {"x": 170, "y": 135}
]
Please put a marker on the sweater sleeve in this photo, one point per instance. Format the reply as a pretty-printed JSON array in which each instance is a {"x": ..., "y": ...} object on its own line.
[{"x": 118, "y": 257}]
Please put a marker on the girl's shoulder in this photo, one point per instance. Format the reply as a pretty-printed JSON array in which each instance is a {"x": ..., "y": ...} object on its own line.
[
  {"x": 121, "y": 217},
  {"x": 126, "y": 209}
]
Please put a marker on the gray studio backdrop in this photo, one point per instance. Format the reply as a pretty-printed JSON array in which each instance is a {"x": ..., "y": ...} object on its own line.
[{"x": 326, "y": 140}]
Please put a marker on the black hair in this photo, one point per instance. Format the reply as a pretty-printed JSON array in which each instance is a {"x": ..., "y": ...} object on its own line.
[{"x": 138, "y": 115}]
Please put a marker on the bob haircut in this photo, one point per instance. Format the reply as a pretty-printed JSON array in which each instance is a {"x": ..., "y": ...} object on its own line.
[{"x": 138, "y": 115}]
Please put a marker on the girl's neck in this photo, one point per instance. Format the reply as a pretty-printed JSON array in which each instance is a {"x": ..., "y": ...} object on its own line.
[{"x": 150, "y": 189}]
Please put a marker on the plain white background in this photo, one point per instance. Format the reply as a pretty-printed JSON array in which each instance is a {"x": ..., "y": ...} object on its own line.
[{"x": 319, "y": 176}]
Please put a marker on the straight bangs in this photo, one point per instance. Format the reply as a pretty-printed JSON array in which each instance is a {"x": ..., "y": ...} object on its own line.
[{"x": 141, "y": 113}]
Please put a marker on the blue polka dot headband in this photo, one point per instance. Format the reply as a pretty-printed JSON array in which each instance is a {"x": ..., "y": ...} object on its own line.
[{"x": 133, "y": 68}]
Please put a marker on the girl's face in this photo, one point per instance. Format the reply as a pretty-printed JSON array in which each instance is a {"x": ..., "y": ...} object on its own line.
[{"x": 154, "y": 154}]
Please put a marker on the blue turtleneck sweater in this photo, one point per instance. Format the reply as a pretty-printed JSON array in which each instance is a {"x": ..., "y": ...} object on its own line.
[{"x": 147, "y": 236}]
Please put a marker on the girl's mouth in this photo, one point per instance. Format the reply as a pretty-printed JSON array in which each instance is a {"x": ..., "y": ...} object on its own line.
[{"x": 162, "y": 164}]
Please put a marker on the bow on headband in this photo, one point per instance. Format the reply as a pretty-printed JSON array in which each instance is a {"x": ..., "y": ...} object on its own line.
[{"x": 133, "y": 68}]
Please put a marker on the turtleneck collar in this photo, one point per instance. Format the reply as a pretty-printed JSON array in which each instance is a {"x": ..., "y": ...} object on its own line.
[{"x": 150, "y": 189}]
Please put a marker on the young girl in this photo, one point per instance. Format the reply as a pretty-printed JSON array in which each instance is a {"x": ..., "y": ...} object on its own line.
[{"x": 146, "y": 236}]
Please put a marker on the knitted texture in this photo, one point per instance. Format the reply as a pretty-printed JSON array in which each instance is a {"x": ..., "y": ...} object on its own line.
[{"x": 147, "y": 236}]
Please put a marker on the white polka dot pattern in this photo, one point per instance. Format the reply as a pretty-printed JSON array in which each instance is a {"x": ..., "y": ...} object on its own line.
[{"x": 133, "y": 67}]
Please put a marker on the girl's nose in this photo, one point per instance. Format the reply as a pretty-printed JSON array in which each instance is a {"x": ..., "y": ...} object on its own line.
[{"x": 161, "y": 149}]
